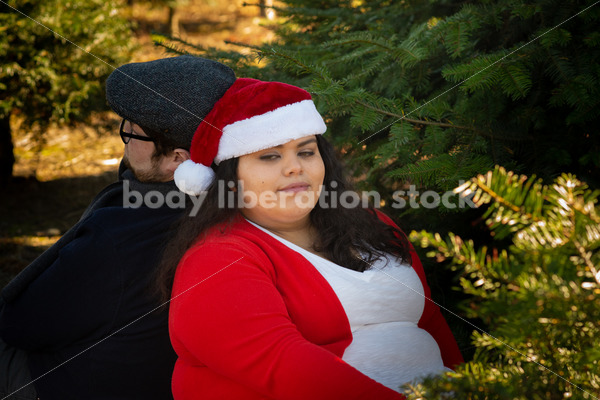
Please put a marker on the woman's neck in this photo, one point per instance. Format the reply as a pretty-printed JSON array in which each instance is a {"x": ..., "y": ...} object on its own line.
[{"x": 303, "y": 236}]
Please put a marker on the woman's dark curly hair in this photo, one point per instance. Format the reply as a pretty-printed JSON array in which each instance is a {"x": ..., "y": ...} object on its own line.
[{"x": 352, "y": 237}]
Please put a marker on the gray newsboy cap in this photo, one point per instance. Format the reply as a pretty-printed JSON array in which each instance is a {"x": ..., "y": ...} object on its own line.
[{"x": 170, "y": 95}]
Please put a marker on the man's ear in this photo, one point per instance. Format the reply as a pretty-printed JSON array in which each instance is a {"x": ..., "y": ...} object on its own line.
[{"x": 176, "y": 157}]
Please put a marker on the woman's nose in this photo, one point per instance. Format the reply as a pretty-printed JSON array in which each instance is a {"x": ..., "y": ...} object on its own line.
[{"x": 292, "y": 166}]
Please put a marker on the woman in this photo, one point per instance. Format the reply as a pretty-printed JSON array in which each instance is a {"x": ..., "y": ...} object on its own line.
[{"x": 280, "y": 295}]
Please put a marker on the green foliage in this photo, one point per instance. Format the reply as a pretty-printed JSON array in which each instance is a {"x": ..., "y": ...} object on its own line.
[
  {"x": 49, "y": 77},
  {"x": 471, "y": 84},
  {"x": 432, "y": 92},
  {"x": 539, "y": 297}
]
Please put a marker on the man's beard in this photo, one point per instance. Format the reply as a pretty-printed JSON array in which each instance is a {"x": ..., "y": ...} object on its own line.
[{"x": 151, "y": 176}]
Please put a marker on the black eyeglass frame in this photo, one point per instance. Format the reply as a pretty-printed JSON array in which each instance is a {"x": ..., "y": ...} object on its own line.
[{"x": 127, "y": 136}]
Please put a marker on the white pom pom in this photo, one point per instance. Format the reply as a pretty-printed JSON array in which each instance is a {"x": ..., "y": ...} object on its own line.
[{"x": 192, "y": 178}]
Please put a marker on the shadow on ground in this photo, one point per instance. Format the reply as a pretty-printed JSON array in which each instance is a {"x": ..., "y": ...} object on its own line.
[{"x": 33, "y": 215}]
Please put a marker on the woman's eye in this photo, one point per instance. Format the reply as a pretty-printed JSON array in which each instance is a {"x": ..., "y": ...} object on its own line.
[
  {"x": 269, "y": 157},
  {"x": 306, "y": 153}
]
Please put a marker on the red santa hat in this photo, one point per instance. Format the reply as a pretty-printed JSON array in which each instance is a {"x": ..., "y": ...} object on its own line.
[{"x": 252, "y": 115}]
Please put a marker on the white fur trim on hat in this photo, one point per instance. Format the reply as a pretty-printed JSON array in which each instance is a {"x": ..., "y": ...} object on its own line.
[
  {"x": 193, "y": 178},
  {"x": 272, "y": 128}
]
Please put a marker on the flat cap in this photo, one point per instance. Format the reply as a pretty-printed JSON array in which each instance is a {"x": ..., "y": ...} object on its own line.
[{"x": 170, "y": 95}]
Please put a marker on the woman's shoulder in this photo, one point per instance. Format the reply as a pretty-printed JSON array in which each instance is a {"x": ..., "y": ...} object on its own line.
[
  {"x": 233, "y": 238},
  {"x": 238, "y": 245},
  {"x": 383, "y": 217},
  {"x": 390, "y": 222}
]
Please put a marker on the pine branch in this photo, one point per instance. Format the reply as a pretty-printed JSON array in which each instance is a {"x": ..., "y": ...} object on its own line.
[
  {"x": 570, "y": 189},
  {"x": 501, "y": 200},
  {"x": 587, "y": 257},
  {"x": 519, "y": 81},
  {"x": 557, "y": 66},
  {"x": 306, "y": 68},
  {"x": 414, "y": 121},
  {"x": 379, "y": 43},
  {"x": 504, "y": 181}
]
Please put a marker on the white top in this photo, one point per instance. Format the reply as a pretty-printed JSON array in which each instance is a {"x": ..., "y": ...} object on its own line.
[{"x": 383, "y": 305}]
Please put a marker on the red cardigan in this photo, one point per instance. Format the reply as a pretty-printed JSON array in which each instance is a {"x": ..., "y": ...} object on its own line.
[{"x": 252, "y": 319}]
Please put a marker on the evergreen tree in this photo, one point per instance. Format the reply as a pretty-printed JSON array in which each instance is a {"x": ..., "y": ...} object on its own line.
[
  {"x": 539, "y": 298},
  {"x": 44, "y": 78},
  {"x": 434, "y": 91}
]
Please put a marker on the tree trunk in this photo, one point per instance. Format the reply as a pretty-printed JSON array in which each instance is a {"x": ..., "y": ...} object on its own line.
[
  {"x": 174, "y": 21},
  {"x": 7, "y": 158},
  {"x": 263, "y": 11}
]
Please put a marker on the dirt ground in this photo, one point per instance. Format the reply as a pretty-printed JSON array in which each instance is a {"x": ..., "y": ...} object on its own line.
[{"x": 56, "y": 180}]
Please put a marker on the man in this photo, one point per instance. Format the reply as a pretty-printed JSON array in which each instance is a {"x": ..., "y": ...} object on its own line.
[{"x": 83, "y": 311}]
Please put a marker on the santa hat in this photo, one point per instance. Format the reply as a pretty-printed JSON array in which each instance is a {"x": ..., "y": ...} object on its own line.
[{"x": 252, "y": 115}]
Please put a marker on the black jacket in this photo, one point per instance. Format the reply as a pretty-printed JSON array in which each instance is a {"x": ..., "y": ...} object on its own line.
[{"x": 84, "y": 313}]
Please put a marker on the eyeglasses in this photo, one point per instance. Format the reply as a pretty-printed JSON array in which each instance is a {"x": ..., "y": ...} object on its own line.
[{"x": 127, "y": 136}]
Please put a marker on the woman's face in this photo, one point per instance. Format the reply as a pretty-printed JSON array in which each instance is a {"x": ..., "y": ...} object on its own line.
[{"x": 281, "y": 185}]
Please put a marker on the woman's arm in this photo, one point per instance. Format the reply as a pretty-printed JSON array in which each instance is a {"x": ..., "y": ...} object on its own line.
[{"x": 228, "y": 314}]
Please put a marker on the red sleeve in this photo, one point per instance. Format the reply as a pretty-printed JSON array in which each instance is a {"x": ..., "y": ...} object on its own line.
[
  {"x": 235, "y": 322},
  {"x": 432, "y": 319}
]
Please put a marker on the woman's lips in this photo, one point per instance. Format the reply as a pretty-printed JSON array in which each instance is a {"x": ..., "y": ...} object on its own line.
[{"x": 295, "y": 187}]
